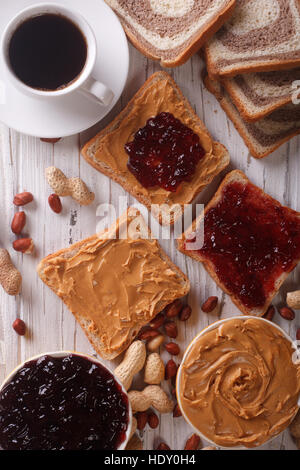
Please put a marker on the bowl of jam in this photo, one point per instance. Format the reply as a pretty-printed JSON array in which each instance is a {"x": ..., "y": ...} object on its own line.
[
  {"x": 63, "y": 401},
  {"x": 238, "y": 385}
]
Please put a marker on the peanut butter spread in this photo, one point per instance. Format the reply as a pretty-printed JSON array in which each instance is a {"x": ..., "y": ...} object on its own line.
[
  {"x": 114, "y": 286},
  {"x": 160, "y": 96},
  {"x": 239, "y": 385}
]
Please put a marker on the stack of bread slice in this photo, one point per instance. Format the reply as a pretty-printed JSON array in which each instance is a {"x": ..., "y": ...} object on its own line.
[{"x": 253, "y": 68}]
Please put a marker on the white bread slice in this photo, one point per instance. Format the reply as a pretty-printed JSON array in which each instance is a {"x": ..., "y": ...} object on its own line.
[
  {"x": 169, "y": 280},
  {"x": 261, "y": 36},
  {"x": 171, "y": 31},
  {"x": 262, "y": 137},
  {"x": 239, "y": 177},
  {"x": 159, "y": 94},
  {"x": 256, "y": 95}
]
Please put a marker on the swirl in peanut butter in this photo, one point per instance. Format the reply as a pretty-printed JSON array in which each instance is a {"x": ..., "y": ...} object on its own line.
[{"x": 239, "y": 385}]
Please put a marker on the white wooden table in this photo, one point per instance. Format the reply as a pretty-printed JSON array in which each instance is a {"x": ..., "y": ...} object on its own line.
[{"x": 51, "y": 326}]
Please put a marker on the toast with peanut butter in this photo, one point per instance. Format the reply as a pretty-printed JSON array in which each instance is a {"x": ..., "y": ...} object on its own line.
[
  {"x": 115, "y": 282},
  {"x": 161, "y": 106},
  {"x": 251, "y": 243}
]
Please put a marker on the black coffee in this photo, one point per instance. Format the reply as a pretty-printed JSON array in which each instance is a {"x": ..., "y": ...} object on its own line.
[{"x": 48, "y": 52}]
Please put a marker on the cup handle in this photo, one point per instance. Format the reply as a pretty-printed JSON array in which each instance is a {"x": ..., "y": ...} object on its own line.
[{"x": 97, "y": 91}]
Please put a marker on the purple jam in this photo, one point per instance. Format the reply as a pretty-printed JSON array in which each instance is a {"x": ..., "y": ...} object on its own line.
[
  {"x": 68, "y": 403},
  {"x": 164, "y": 153}
]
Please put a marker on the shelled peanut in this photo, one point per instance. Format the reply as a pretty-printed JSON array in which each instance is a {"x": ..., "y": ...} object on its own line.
[
  {"x": 23, "y": 245},
  {"x": 211, "y": 305}
]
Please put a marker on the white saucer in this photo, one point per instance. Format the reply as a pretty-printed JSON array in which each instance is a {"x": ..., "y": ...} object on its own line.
[{"x": 70, "y": 114}]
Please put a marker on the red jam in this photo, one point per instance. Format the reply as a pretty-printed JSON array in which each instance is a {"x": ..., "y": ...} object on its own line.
[
  {"x": 251, "y": 241},
  {"x": 164, "y": 153},
  {"x": 68, "y": 403}
]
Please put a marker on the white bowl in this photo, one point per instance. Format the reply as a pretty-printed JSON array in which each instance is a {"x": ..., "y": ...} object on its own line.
[
  {"x": 211, "y": 327},
  {"x": 86, "y": 356}
]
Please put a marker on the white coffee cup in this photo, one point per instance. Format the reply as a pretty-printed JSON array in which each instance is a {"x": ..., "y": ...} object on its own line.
[{"x": 84, "y": 83}]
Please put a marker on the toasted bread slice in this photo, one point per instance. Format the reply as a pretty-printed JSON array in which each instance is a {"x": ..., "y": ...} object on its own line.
[
  {"x": 171, "y": 31},
  {"x": 257, "y": 95},
  {"x": 262, "y": 137},
  {"x": 106, "y": 151},
  {"x": 114, "y": 283},
  {"x": 261, "y": 36},
  {"x": 259, "y": 241}
]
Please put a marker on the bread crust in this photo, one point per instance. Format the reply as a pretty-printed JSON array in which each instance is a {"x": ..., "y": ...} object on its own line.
[
  {"x": 260, "y": 66},
  {"x": 197, "y": 41},
  {"x": 268, "y": 63},
  {"x": 244, "y": 111},
  {"x": 235, "y": 175},
  {"x": 90, "y": 148},
  {"x": 240, "y": 126},
  {"x": 75, "y": 248}
]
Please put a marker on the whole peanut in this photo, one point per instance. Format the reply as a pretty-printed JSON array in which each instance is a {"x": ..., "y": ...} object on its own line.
[
  {"x": 74, "y": 187},
  {"x": 154, "y": 370},
  {"x": 293, "y": 299},
  {"x": 132, "y": 363},
  {"x": 153, "y": 396},
  {"x": 10, "y": 278}
]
